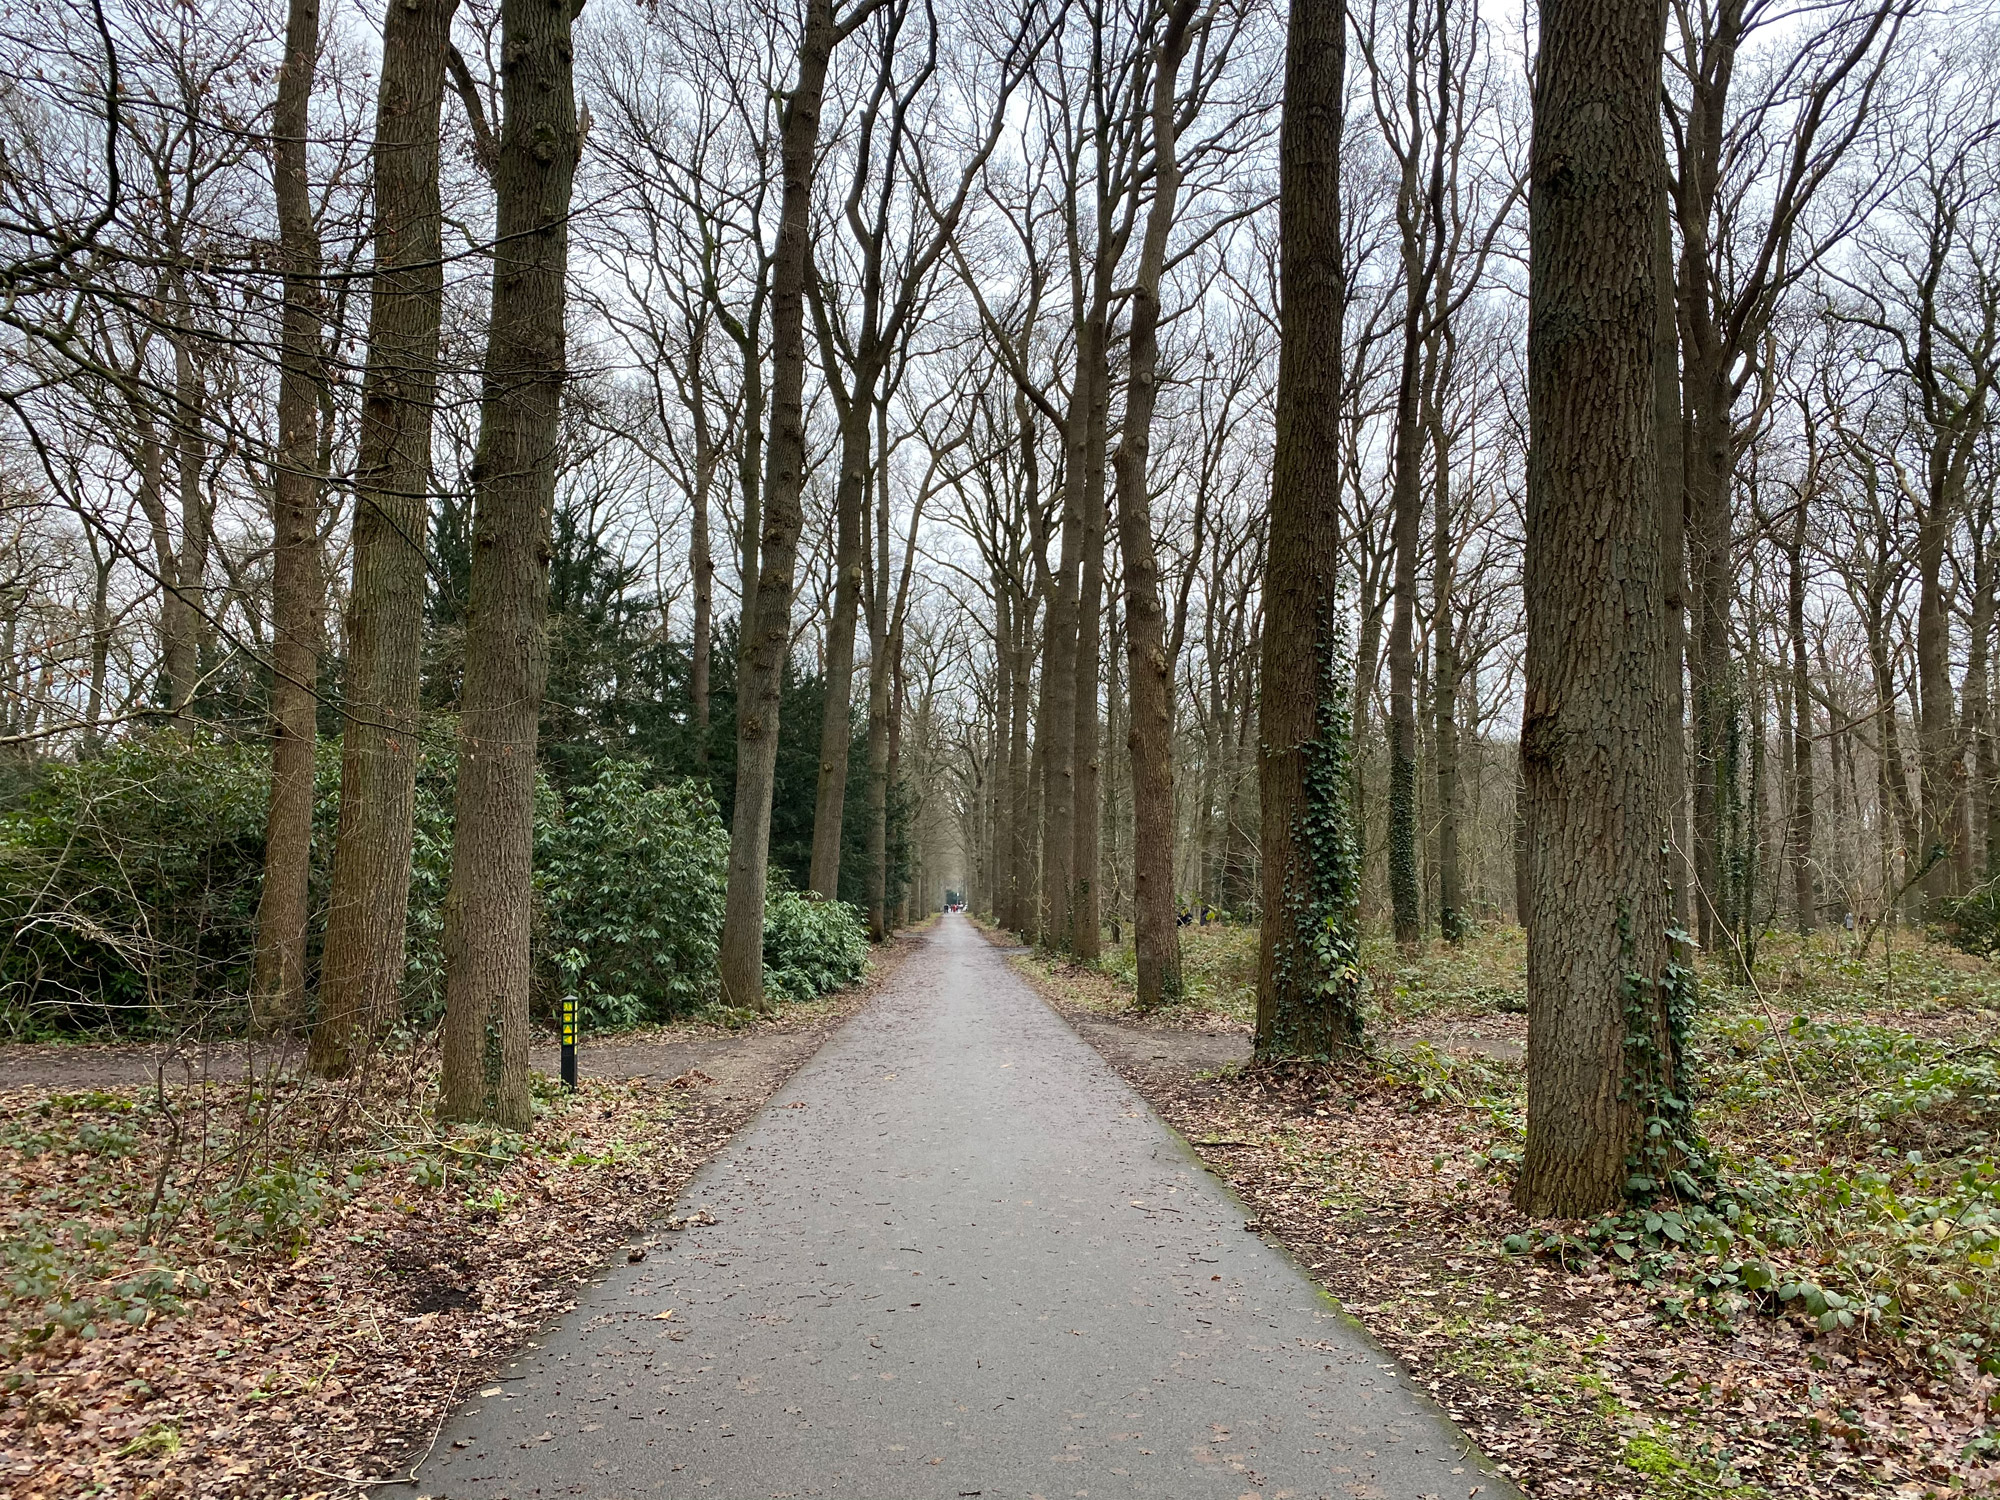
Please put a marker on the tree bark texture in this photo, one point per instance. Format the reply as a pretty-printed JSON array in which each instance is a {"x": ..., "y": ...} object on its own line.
[
  {"x": 701, "y": 556},
  {"x": 1156, "y": 935},
  {"x": 768, "y": 629},
  {"x": 836, "y": 732},
  {"x": 1594, "y": 730},
  {"x": 186, "y": 602},
  {"x": 278, "y": 982},
  {"x": 1452, "y": 918},
  {"x": 489, "y": 911},
  {"x": 1669, "y": 442},
  {"x": 1308, "y": 981},
  {"x": 361, "y": 972},
  {"x": 881, "y": 716},
  {"x": 1086, "y": 825},
  {"x": 1804, "y": 893},
  {"x": 1406, "y": 508}
]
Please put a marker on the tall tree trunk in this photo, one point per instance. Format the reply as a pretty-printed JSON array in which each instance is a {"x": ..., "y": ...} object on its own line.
[
  {"x": 1804, "y": 894},
  {"x": 1594, "y": 733},
  {"x": 881, "y": 722},
  {"x": 1893, "y": 780},
  {"x": 489, "y": 912},
  {"x": 1308, "y": 977},
  {"x": 1710, "y": 545},
  {"x": 1707, "y": 461},
  {"x": 749, "y": 473},
  {"x": 768, "y": 612},
  {"x": 1086, "y": 822},
  {"x": 1030, "y": 754},
  {"x": 1940, "y": 756},
  {"x": 1055, "y": 725},
  {"x": 1020, "y": 830},
  {"x": 1669, "y": 435},
  {"x": 1117, "y": 712},
  {"x": 1407, "y": 506},
  {"x": 1156, "y": 935},
  {"x": 188, "y": 600},
  {"x": 1000, "y": 883},
  {"x": 836, "y": 731},
  {"x": 278, "y": 984},
  {"x": 361, "y": 972},
  {"x": 1978, "y": 700},
  {"x": 701, "y": 558},
  {"x": 100, "y": 648},
  {"x": 1452, "y": 919}
]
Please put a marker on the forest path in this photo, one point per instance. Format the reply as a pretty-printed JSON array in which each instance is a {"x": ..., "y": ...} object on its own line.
[{"x": 955, "y": 1256}]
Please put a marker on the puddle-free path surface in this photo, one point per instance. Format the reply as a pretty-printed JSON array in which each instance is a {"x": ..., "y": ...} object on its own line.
[{"x": 955, "y": 1256}]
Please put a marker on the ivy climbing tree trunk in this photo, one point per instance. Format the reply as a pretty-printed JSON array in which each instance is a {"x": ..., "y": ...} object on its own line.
[
  {"x": 1594, "y": 734},
  {"x": 490, "y": 908},
  {"x": 1308, "y": 1001},
  {"x": 361, "y": 972}
]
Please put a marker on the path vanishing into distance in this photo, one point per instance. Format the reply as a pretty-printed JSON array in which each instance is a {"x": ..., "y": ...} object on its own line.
[{"x": 955, "y": 1256}]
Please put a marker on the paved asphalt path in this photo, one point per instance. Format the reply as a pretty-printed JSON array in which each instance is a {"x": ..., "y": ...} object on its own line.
[{"x": 956, "y": 1256}]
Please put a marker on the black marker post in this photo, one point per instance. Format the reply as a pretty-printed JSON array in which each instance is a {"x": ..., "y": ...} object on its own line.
[{"x": 569, "y": 1043}]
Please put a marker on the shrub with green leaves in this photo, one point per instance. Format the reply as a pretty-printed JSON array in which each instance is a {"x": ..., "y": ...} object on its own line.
[
  {"x": 129, "y": 884},
  {"x": 810, "y": 946},
  {"x": 633, "y": 880}
]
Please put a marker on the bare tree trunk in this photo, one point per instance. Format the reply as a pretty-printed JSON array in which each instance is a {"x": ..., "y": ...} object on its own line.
[
  {"x": 1000, "y": 879},
  {"x": 881, "y": 722},
  {"x": 1594, "y": 737},
  {"x": 836, "y": 730},
  {"x": 1452, "y": 919},
  {"x": 1978, "y": 698},
  {"x": 1308, "y": 995},
  {"x": 1804, "y": 894},
  {"x": 278, "y": 985},
  {"x": 361, "y": 973},
  {"x": 701, "y": 558},
  {"x": 100, "y": 647},
  {"x": 1086, "y": 826},
  {"x": 1055, "y": 724},
  {"x": 1669, "y": 436},
  {"x": 1028, "y": 757},
  {"x": 1713, "y": 674},
  {"x": 489, "y": 912},
  {"x": 187, "y": 602},
  {"x": 1406, "y": 516},
  {"x": 768, "y": 613},
  {"x": 1155, "y": 933},
  {"x": 1020, "y": 831},
  {"x": 1940, "y": 756},
  {"x": 1524, "y": 874}
]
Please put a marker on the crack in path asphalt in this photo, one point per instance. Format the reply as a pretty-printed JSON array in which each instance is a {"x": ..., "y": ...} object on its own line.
[{"x": 956, "y": 1256}]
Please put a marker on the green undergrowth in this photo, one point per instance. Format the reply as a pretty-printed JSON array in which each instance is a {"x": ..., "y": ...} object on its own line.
[
  {"x": 1494, "y": 1347},
  {"x": 1218, "y": 974},
  {"x": 1854, "y": 1138}
]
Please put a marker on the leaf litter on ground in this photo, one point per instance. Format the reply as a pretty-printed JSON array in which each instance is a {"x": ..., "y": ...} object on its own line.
[
  {"x": 1709, "y": 1363},
  {"x": 282, "y": 1288}
]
